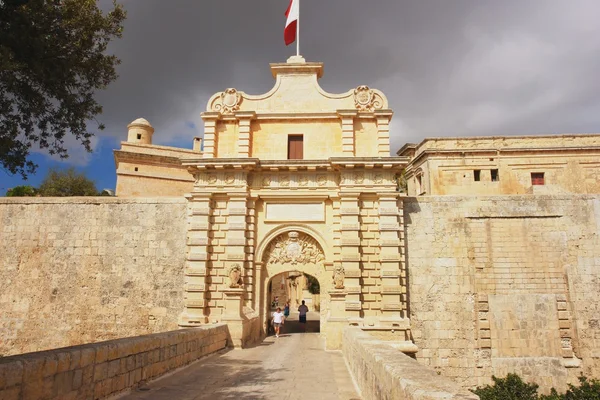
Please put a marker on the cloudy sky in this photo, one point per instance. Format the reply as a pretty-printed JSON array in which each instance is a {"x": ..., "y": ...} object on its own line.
[{"x": 448, "y": 67}]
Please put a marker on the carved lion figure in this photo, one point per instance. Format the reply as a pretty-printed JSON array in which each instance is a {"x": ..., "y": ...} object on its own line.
[
  {"x": 235, "y": 276},
  {"x": 338, "y": 277}
]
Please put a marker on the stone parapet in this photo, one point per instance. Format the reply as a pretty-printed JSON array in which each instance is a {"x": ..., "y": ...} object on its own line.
[
  {"x": 105, "y": 369},
  {"x": 383, "y": 372}
]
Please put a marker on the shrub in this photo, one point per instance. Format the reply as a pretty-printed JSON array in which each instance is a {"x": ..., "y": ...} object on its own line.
[{"x": 510, "y": 388}]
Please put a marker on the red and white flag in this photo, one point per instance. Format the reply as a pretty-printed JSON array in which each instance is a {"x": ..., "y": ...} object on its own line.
[{"x": 291, "y": 25}]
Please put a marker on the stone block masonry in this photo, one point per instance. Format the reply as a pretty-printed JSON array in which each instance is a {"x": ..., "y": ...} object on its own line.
[
  {"x": 505, "y": 284},
  {"x": 82, "y": 270},
  {"x": 100, "y": 370},
  {"x": 383, "y": 372}
]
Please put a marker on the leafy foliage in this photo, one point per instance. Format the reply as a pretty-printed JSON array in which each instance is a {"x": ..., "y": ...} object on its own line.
[
  {"x": 22, "y": 191},
  {"x": 513, "y": 388},
  {"x": 67, "y": 183},
  {"x": 312, "y": 284},
  {"x": 52, "y": 62},
  {"x": 588, "y": 390},
  {"x": 510, "y": 388}
]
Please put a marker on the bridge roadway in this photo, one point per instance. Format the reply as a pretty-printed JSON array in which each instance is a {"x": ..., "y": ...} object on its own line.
[{"x": 293, "y": 366}]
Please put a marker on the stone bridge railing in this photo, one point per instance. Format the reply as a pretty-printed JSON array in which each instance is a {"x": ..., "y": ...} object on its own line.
[
  {"x": 104, "y": 369},
  {"x": 383, "y": 372}
]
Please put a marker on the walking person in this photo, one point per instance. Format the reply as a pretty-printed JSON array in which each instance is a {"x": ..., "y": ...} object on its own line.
[
  {"x": 303, "y": 309},
  {"x": 286, "y": 309},
  {"x": 278, "y": 320}
]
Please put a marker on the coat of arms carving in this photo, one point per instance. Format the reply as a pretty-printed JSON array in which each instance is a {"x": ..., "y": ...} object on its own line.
[
  {"x": 365, "y": 99},
  {"x": 230, "y": 101},
  {"x": 294, "y": 248}
]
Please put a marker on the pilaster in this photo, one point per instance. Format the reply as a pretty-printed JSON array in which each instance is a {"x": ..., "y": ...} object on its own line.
[
  {"x": 200, "y": 209},
  {"x": 210, "y": 133},
  {"x": 350, "y": 252},
  {"x": 245, "y": 133},
  {"x": 383, "y": 132},
  {"x": 348, "y": 140},
  {"x": 393, "y": 273}
]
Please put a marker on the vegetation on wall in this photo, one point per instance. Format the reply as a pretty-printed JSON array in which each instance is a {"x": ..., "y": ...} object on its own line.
[
  {"x": 513, "y": 388},
  {"x": 312, "y": 284}
]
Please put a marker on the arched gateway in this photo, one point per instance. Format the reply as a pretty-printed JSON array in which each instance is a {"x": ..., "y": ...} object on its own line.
[{"x": 297, "y": 179}]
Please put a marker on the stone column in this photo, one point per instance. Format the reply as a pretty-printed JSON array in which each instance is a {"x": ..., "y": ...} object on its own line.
[
  {"x": 199, "y": 214},
  {"x": 393, "y": 275},
  {"x": 210, "y": 134},
  {"x": 383, "y": 132},
  {"x": 348, "y": 140},
  {"x": 350, "y": 252},
  {"x": 245, "y": 133}
]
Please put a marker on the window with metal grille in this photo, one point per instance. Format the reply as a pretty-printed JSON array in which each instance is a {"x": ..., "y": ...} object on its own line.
[
  {"x": 295, "y": 147},
  {"x": 537, "y": 178}
]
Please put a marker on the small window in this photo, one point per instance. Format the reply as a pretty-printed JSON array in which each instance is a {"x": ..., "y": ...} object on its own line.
[
  {"x": 419, "y": 184},
  {"x": 139, "y": 136},
  {"x": 477, "y": 175},
  {"x": 495, "y": 176},
  {"x": 136, "y": 169},
  {"x": 537, "y": 178},
  {"x": 295, "y": 147}
]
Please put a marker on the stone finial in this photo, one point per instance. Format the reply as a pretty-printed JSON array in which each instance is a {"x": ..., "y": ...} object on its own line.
[
  {"x": 140, "y": 131},
  {"x": 296, "y": 60}
]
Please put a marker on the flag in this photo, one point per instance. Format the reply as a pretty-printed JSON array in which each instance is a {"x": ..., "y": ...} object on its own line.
[{"x": 291, "y": 25}]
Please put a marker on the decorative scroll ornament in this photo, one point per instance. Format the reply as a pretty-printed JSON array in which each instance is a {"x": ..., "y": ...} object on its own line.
[
  {"x": 228, "y": 102},
  {"x": 366, "y": 99},
  {"x": 266, "y": 181},
  {"x": 359, "y": 178},
  {"x": 303, "y": 181},
  {"x": 212, "y": 179},
  {"x": 284, "y": 181},
  {"x": 294, "y": 249},
  {"x": 322, "y": 180},
  {"x": 235, "y": 276},
  {"x": 378, "y": 178},
  {"x": 229, "y": 179},
  {"x": 338, "y": 277}
]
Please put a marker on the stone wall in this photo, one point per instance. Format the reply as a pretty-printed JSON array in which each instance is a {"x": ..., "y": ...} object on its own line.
[
  {"x": 505, "y": 284},
  {"x": 81, "y": 270},
  {"x": 383, "y": 372},
  {"x": 104, "y": 369}
]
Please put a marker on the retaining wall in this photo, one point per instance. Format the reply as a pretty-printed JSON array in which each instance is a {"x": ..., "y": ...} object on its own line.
[
  {"x": 383, "y": 372},
  {"x": 107, "y": 368}
]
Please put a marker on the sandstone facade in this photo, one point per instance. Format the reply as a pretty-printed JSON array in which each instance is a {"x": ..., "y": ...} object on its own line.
[{"x": 558, "y": 164}]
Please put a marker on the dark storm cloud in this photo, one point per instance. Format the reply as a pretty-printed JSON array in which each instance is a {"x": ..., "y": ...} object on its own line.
[{"x": 448, "y": 67}]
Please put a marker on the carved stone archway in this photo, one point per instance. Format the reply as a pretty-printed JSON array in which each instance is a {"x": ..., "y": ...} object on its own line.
[{"x": 289, "y": 251}]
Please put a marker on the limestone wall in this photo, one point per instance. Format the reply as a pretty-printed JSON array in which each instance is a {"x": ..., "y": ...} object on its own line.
[
  {"x": 383, "y": 372},
  {"x": 505, "y": 284},
  {"x": 82, "y": 270},
  {"x": 100, "y": 370}
]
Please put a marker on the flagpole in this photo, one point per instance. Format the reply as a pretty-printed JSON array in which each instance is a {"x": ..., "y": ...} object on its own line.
[{"x": 298, "y": 31}]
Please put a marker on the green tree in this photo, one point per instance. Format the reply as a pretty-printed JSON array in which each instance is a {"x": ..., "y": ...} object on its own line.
[
  {"x": 312, "y": 284},
  {"x": 22, "y": 191},
  {"x": 52, "y": 62},
  {"x": 67, "y": 183},
  {"x": 587, "y": 390},
  {"x": 509, "y": 388}
]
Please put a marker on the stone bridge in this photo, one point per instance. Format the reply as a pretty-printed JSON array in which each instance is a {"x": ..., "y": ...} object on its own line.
[{"x": 199, "y": 363}]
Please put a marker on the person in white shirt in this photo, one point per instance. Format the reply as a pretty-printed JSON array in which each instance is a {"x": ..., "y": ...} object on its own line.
[
  {"x": 303, "y": 309},
  {"x": 278, "y": 319}
]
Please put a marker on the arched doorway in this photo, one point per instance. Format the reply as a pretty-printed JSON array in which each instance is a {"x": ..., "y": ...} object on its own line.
[
  {"x": 292, "y": 252},
  {"x": 293, "y": 289}
]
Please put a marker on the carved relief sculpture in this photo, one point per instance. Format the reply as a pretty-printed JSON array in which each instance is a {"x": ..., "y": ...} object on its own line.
[
  {"x": 366, "y": 99},
  {"x": 228, "y": 102},
  {"x": 235, "y": 276},
  {"x": 294, "y": 248},
  {"x": 338, "y": 277}
]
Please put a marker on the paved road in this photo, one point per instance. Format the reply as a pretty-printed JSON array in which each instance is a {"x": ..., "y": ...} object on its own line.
[{"x": 293, "y": 366}]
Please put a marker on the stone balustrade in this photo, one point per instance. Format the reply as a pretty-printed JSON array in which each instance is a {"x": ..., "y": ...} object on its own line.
[
  {"x": 104, "y": 369},
  {"x": 383, "y": 372}
]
